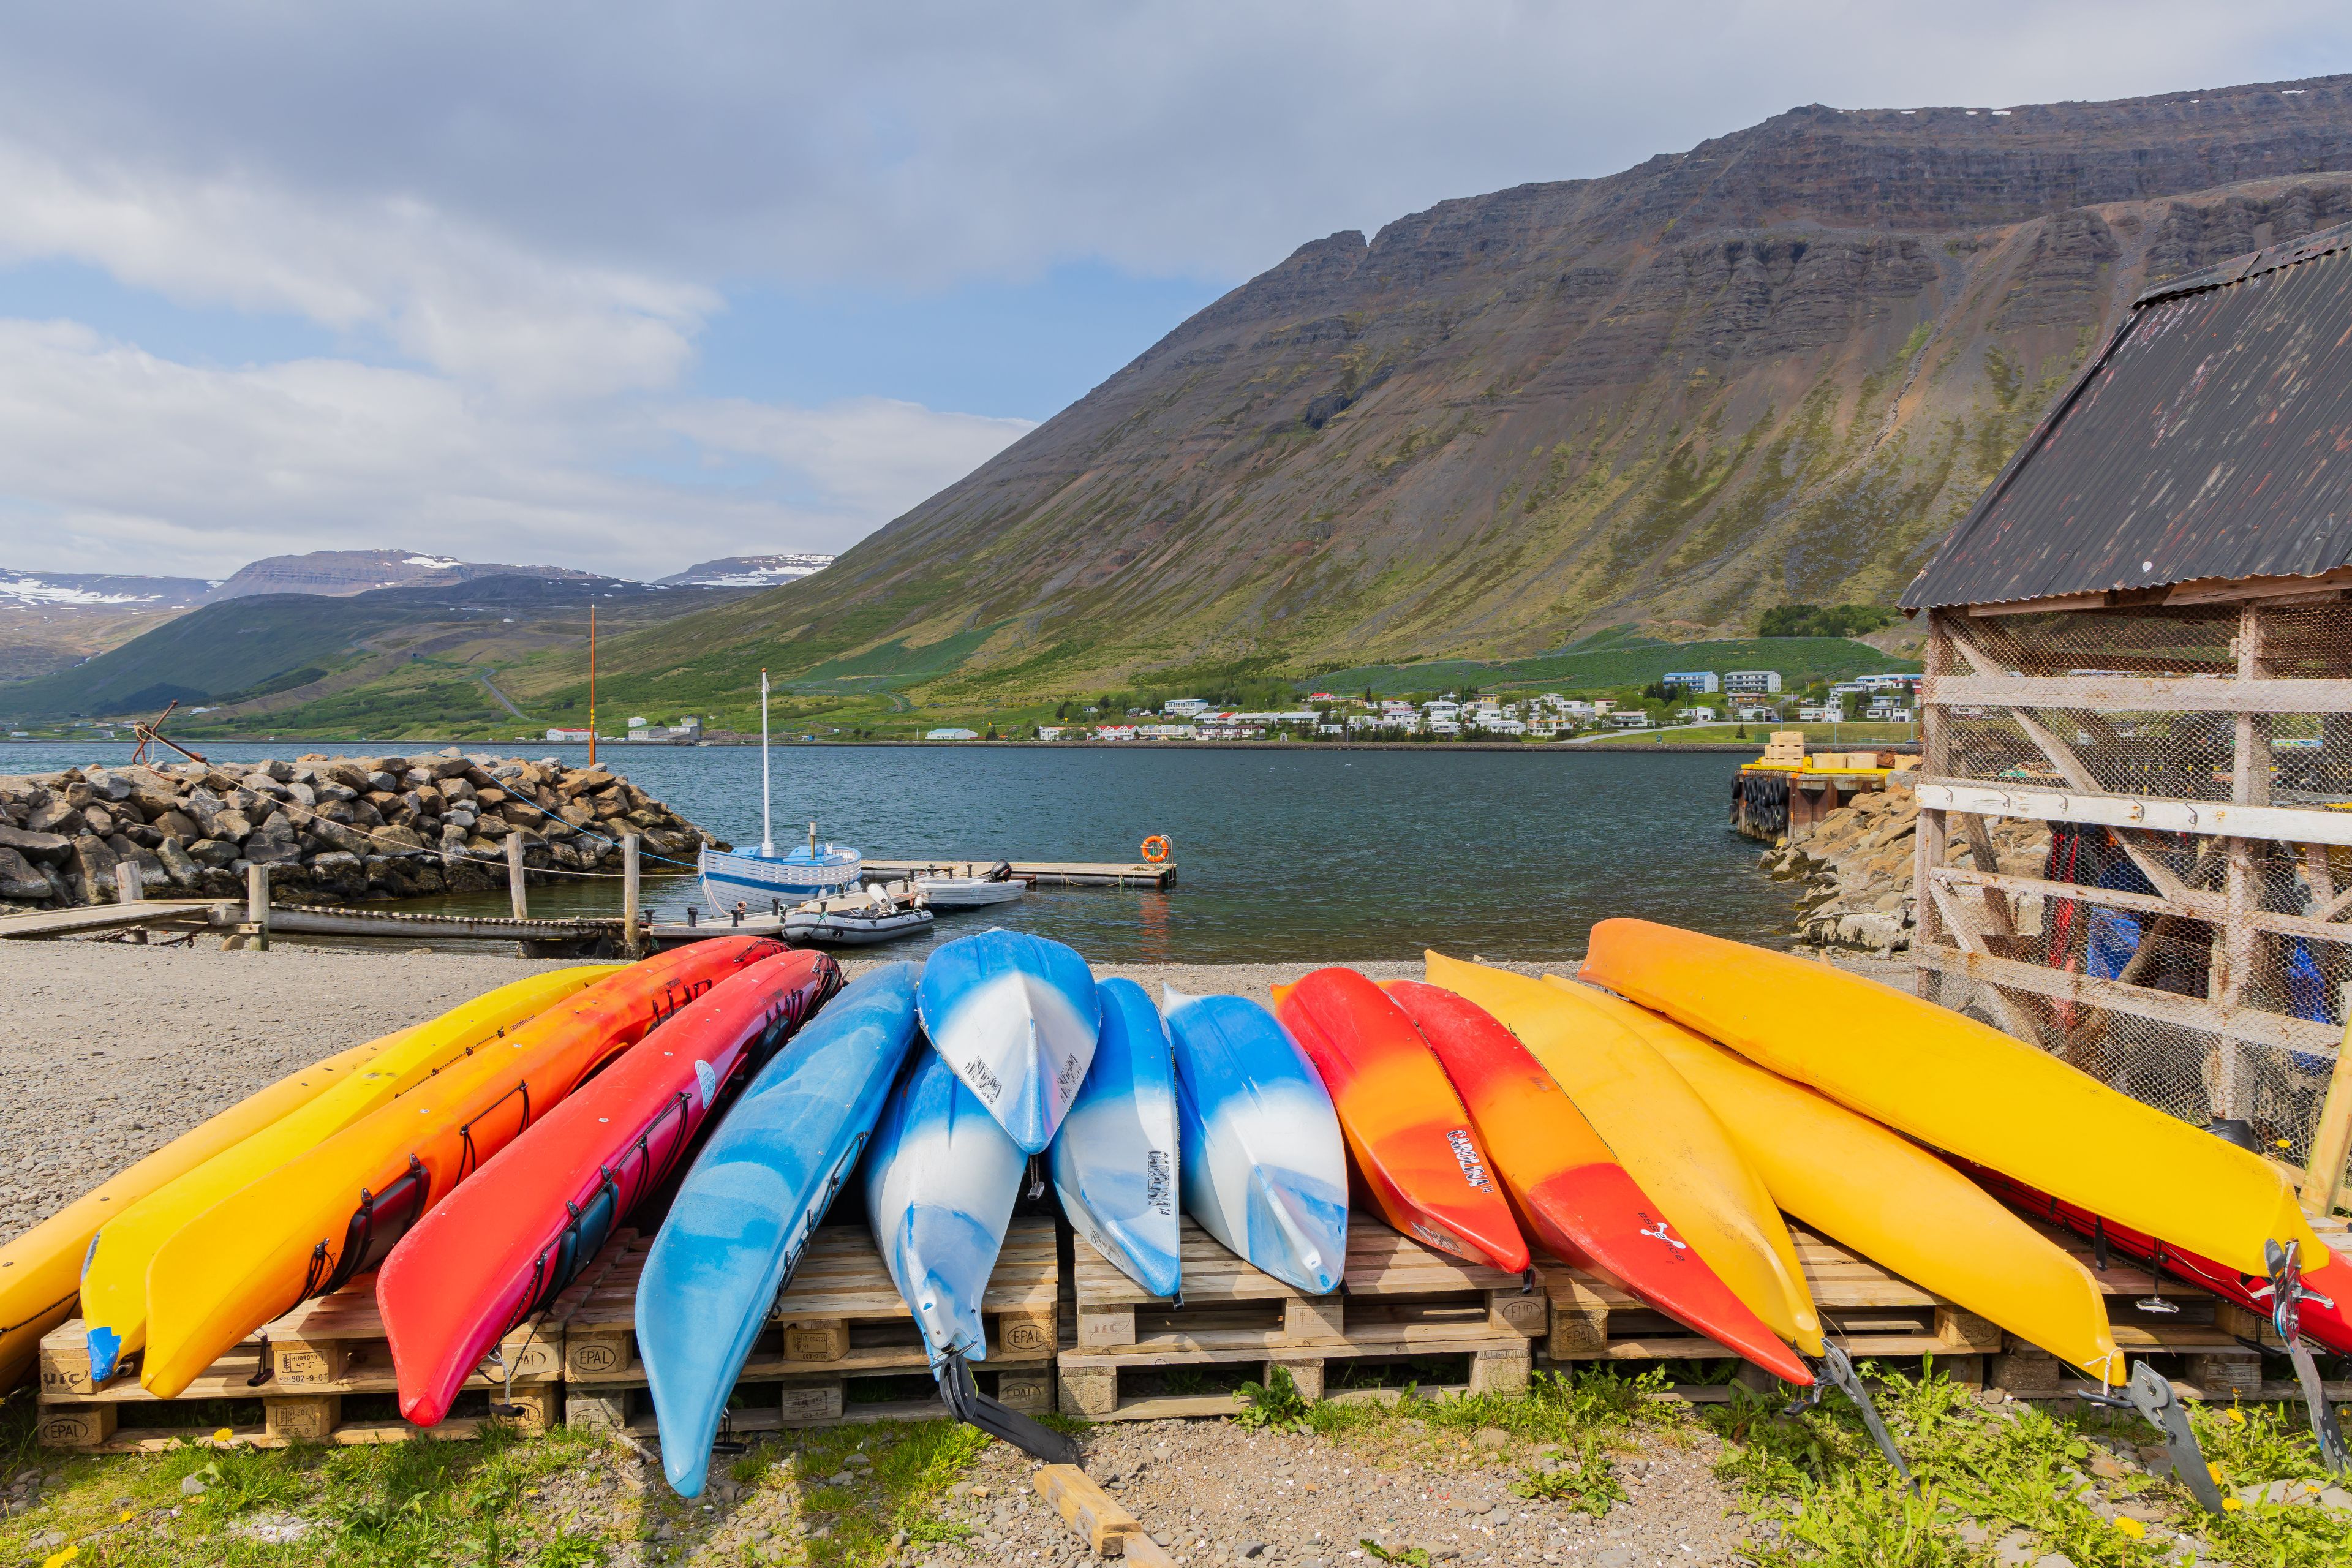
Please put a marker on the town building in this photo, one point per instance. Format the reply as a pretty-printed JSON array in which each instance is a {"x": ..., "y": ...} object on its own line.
[
  {"x": 1694, "y": 680},
  {"x": 1754, "y": 682}
]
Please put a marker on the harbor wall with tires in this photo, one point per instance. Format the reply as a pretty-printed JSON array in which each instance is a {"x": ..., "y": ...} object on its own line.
[{"x": 330, "y": 829}]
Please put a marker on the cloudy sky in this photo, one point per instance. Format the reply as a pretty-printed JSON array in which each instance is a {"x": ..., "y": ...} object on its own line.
[{"x": 628, "y": 286}]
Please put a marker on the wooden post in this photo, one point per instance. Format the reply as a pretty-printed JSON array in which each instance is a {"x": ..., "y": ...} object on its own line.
[
  {"x": 257, "y": 907},
  {"x": 515, "y": 894},
  {"x": 2250, "y": 784},
  {"x": 128, "y": 889},
  {"x": 631, "y": 937},
  {"x": 2331, "y": 1140},
  {"x": 1927, "y": 840}
]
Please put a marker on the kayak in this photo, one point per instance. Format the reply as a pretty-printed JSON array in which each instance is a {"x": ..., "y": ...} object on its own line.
[
  {"x": 1569, "y": 1188},
  {"x": 521, "y": 1228},
  {"x": 1897, "y": 1205},
  {"x": 40, "y": 1269},
  {"x": 1015, "y": 1016},
  {"x": 114, "y": 1275},
  {"x": 751, "y": 1202},
  {"x": 1592, "y": 1045},
  {"x": 940, "y": 1182},
  {"x": 1421, "y": 1158},
  {"x": 317, "y": 1223},
  {"x": 1962, "y": 1086},
  {"x": 1114, "y": 1158},
  {"x": 1261, "y": 1161},
  {"x": 2325, "y": 1313}
]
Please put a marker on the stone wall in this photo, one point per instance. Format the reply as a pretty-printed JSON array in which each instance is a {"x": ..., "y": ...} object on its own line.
[
  {"x": 330, "y": 829},
  {"x": 1856, "y": 865}
]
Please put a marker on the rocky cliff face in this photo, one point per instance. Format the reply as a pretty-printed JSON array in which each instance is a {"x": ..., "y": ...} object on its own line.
[
  {"x": 1777, "y": 367},
  {"x": 339, "y": 573}
]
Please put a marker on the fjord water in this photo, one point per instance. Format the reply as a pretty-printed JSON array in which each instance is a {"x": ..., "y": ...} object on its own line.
[{"x": 1283, "y": 854}]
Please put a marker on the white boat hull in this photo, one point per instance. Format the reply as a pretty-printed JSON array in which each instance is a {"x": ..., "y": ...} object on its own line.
[
  {"x": 967, "y": 892},
  {"x": 730, "y": 878},
  {"x": 842, "y": 928}
]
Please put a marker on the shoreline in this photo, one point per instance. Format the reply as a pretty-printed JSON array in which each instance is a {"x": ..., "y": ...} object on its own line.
[{"x": 1550, "y": 748}]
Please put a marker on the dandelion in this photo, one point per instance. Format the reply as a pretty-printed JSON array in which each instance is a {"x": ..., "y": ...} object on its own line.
[
  {"x": 59, "y": 1559},
  {"x": 128, "y": 1515},
  {"x": 2233, "y": 1504},
  {"x": 2130, "y": 1526},
  {"x": 226, "y": 1435}
]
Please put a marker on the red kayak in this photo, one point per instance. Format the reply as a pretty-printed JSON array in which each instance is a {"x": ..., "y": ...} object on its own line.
[
  {"x": 503, "y": 1243},
  {"x": 1566, "y": 1183},
  {"x": 1408, "y": 1131},
  {"x": 2326, "y": 1312}
]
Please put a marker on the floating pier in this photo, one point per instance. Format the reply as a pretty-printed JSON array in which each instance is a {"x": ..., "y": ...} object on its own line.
[
  {"x": 1782, "y": 794},
  {"x": 1036, "y": 873}
]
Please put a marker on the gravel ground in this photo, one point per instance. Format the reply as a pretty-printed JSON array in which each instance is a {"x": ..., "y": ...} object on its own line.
[{"x": 1214, "y": 1494}]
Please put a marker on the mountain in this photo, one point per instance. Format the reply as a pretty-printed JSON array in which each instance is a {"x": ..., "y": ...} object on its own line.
[
  {"x": 49, "y": 619},
  {"x": 435, "y": 651},
  {"x": 747, "y": 571},
  {"x": 1773, "y": 368},
  {"x": 341, "y": 573}
]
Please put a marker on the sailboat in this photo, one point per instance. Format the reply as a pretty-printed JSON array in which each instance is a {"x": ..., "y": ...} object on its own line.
[{"x": 730, "y": 877}]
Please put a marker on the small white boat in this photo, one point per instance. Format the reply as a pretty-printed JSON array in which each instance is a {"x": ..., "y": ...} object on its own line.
[
  {"x": 966, "y": 888},
  {"x": 855, "y": 922},
  {"x": 765, "y": 880}
]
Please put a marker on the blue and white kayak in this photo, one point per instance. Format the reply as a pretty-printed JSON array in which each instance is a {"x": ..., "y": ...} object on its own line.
[
  {"x": 746, "y": 1210},
  {"x": 940, "y": 1185},
  {"x": 1115, "y": 1156},
  {"x": 1263, "y": 1164},
  {"x": 1015, "y": 1015}
]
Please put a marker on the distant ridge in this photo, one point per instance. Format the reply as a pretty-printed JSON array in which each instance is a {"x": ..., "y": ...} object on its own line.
[
  {"x": 337, "y": 574},
  {"x": 747, "y": 571}
]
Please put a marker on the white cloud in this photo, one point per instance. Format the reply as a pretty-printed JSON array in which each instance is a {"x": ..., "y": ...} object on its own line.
[{"x": 117, "y": 460}]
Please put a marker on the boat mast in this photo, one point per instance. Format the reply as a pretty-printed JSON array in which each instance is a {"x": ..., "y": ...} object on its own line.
[
  {"x": 591, "y": 686},
  {"x": 767, "y": 829}
]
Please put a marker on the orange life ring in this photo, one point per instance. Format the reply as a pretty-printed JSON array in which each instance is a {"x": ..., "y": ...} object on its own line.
[{"x": 1156, "y": 849}]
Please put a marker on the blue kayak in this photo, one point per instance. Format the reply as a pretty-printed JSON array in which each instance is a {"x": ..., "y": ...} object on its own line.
[
  {"x": 940, "y": 1181},
  {"x": 1115, "y": 1158},
  {"x": 1263, "y": 1164},
  {"x": 746, "y": 1210},
  {"x": 1015, "y": 1015}
]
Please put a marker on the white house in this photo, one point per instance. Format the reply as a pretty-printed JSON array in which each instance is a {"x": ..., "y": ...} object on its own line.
[
  {"x": 1820, "y": 712},
  {"x": 1755, "y": 712},
  {"x": 1892, "y": 681},
  {"x": 1631, "y": 719},
  {"x": 1185, "y": 707},
  {"x": 1166, "y": 732},
  {"x": 949, "y": 732},
  {"x": 1753, "y": 681},
  {"x": 1049, "y": 731},
  {"x": 1693, "y": 679},
  {"x": 570, "y": 737},
  {"x": 1698, "y": 715}
]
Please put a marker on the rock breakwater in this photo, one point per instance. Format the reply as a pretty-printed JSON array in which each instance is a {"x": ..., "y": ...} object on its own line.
[
  {"x": 330, "y": 829},
  {"x": 1856, "y": 865}
]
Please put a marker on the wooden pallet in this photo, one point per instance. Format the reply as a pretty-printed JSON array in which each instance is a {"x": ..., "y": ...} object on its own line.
[
  {"x": 1863, "y": 1308},
  {"x": 1399, "y": 1300},
  {"x": 840, "y": 1321},
  {"x": 299, "y": 1368}
]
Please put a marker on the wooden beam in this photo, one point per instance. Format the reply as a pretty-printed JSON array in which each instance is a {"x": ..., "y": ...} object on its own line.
[
  {"x": 2198, "y": 905},
  {"x": 1982, "y": 852},
  {"x": 2274, "y": 1029},
  {"x": 2155, "y": 813},
  {"x": 1927, "y": 836},
  {"x": 2331, "y": 1140},
  {"x": 112, "y": 917},
  {"x": 2013, "y": 1020},
  {"x": 2141, "y": 693}
]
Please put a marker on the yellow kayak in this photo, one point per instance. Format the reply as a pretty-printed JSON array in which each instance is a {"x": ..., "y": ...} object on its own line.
[
  {"x": 1962, "y": 1086},
  {"x": 1663, "y": 1133},
  {"x": 1895, "y": 1202},
  {"x": 38, "y": 1270},
  {"x": 114, "y": 1272}
]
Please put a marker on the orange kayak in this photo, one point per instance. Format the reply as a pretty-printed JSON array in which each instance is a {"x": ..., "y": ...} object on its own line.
[
  {"x": 321, "y": 1220},
  {"x": 1569, "y": 1189},
  {"x": 1412, "y": 1137}
]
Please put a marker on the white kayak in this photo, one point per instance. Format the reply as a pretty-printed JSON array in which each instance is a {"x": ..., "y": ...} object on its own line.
[
  {"x": 940, "y": 1181},
  {"x": 1115, "y": 1158},
  {"x": 1015, "y": 1016},
  {"x": 966, "y": 888},
  {"x": 1263, "y": 1165}
]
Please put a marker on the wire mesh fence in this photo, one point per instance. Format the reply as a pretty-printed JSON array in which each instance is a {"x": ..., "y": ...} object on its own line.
[{"x": 2207, "y": 976}]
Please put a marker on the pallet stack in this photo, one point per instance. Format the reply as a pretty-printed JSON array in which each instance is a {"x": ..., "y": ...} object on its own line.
[
  {"x": 840, "y": 1323},
  {"x": 1398, "y": 1301}
]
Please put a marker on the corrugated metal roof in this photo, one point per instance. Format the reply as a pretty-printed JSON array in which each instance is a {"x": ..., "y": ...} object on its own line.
[{"x": 2211, "y": 437}]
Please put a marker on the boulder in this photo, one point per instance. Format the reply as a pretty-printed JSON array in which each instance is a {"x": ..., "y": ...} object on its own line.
[
  {"x": 96, "y": 819},
  {"x": 234, "y": 825},
  {"x": 341, "y": 872},
  {"x": 46, "y": 848},
  {"x": 212, "y": 852},
  {"x": 92, "y": 869},
  {"x": 399, "y": 839},
  {"x": 280, "y": 771},
  {"x": 54, "y": 816},
  {"x": 19, "y": 878},
  {"x": 177, "y": 825},
  {"x": 178, "y": 863}
]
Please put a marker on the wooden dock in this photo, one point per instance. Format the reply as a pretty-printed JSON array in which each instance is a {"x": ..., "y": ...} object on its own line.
[{"x": 1036, "y": 873}]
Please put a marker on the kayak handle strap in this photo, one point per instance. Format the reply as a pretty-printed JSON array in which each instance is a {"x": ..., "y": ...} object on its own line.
[{"x": 973, "y": 1408}]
